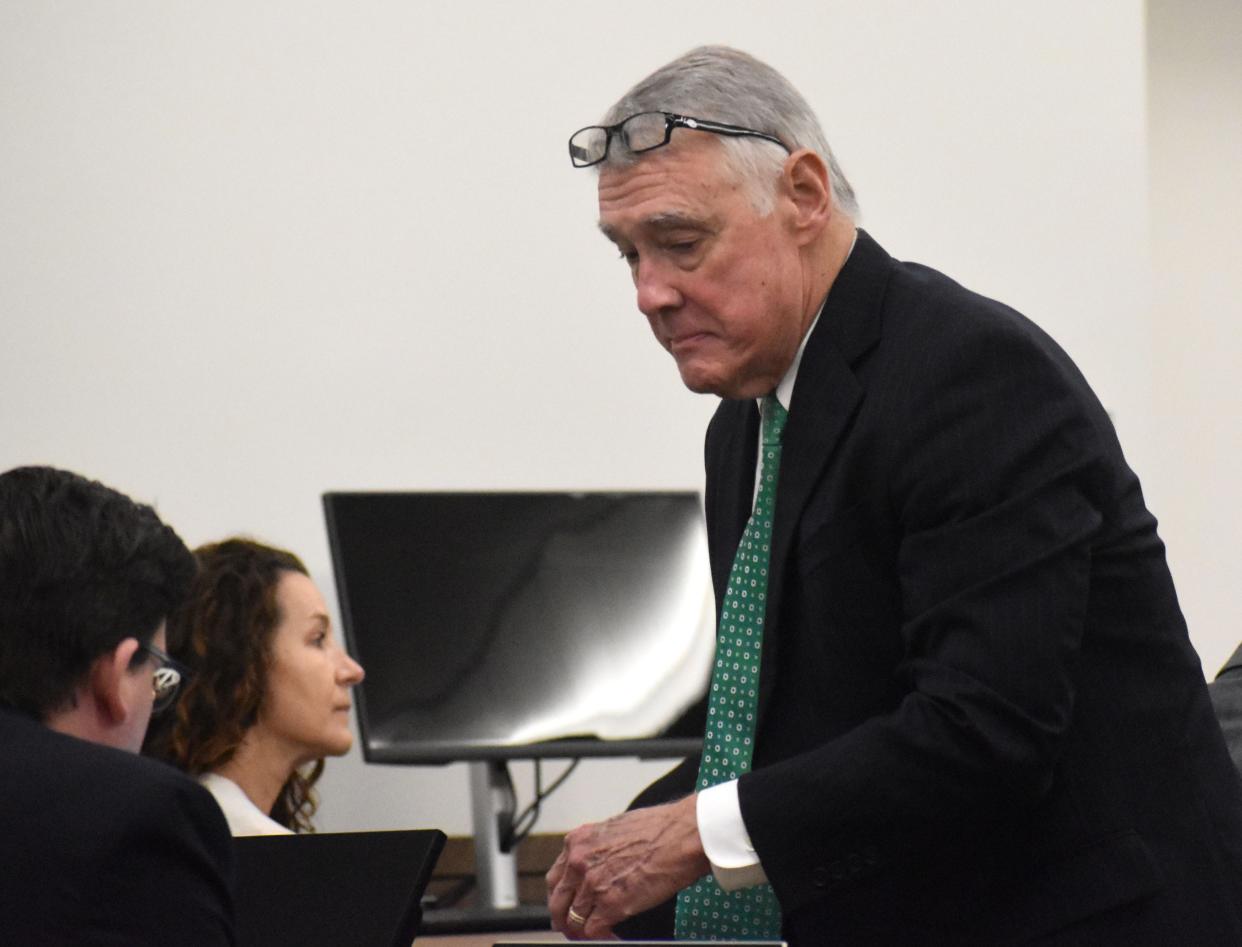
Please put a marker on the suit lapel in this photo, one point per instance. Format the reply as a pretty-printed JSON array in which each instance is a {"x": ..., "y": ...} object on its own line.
[{"x": 826, "y": 395}]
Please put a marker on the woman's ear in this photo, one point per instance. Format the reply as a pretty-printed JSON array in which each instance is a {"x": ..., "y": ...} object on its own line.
[{"x": 805, "y": 185}]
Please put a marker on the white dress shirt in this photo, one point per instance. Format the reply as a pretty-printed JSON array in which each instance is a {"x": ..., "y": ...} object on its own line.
[{"x": 243, "y": 816}]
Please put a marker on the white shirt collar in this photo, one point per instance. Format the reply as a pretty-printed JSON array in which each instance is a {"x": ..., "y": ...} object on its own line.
[{"x": 242, "y": 815}]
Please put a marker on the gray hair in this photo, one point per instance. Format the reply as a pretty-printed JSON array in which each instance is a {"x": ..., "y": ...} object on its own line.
[{"x": 721, "y": 84}]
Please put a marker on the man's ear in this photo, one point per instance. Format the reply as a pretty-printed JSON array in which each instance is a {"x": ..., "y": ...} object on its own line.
[
  {"x": 108, "y": 682},
  {"x": 804, "y": 184}
]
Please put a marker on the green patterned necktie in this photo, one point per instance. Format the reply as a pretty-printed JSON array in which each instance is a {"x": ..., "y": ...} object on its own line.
[{"x": 705, "y": 911}]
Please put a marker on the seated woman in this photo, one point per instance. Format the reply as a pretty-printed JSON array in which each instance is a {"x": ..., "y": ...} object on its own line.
[{"x": 268, "y": 697}]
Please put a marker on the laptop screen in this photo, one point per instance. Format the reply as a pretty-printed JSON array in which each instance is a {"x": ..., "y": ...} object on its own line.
[{"x": 357, "y": 888}]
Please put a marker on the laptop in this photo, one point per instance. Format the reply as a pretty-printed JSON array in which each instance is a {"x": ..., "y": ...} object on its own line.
[{"x": 358, "y": 888}]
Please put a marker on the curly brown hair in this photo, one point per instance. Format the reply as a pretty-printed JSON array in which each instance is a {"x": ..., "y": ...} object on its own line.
[{"x": 224, "y": 635}]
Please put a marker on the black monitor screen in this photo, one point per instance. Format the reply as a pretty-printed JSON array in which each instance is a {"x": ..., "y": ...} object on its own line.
[{"x": 525, "y": 624}]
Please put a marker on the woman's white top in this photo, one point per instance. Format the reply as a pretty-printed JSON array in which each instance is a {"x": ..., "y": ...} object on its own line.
[{"x": 244, "y": 817}]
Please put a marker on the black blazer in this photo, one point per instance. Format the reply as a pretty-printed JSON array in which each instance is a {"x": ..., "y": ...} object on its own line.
[
  {"x": 103, "y": 847},
  {"x": 981, "y": 718}
]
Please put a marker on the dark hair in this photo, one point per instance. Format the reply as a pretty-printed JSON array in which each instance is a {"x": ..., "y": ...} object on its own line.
[
  {"x": 224, "y": 634},
  {"x": 82, "y": 568}
]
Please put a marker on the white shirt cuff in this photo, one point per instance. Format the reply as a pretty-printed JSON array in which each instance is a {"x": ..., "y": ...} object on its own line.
[{"x": 735, "y": 863}]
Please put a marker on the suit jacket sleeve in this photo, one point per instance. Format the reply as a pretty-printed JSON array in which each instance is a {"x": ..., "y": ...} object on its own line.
[{"x": 174, "y": 871}]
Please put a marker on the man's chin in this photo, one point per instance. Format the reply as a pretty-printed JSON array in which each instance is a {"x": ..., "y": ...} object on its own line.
[
  {"x": 701, "y": 383},
  {"x": 707, "y": 382}
]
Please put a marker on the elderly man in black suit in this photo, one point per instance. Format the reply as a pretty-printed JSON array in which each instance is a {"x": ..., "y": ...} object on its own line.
[
  {"x": 954, "y": 699},
  {"x": 101, "y": 846}
]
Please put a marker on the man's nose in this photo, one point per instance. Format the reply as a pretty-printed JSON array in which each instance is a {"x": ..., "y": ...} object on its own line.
[{"x": 657, "y": 292}]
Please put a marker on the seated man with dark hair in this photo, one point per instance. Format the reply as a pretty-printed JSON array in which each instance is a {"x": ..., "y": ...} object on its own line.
[{"x": 101, "y": 846}]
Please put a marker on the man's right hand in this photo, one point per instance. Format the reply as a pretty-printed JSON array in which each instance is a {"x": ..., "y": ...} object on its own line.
[{"x": 608, "y": 871}]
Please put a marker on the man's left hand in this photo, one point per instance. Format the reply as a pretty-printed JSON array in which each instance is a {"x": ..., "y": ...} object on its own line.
[{"x": 608, "y": 871}]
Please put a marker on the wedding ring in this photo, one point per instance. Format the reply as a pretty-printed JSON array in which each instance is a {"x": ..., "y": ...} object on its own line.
[{"x": 576, "y": 918}]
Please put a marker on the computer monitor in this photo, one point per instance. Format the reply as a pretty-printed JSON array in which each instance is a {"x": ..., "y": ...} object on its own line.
[{"x": 525, "y": 625}]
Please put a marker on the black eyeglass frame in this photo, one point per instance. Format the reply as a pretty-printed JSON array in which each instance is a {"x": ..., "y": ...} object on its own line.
[
  {"x": 166, "y": 662},
  {"x": 671, "y": 121}
]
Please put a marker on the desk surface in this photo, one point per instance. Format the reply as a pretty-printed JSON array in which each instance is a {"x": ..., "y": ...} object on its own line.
[{"x": 486, "y": 940}]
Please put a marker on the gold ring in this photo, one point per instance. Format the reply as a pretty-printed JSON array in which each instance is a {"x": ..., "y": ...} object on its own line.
[{"x": 576, "y": 918}]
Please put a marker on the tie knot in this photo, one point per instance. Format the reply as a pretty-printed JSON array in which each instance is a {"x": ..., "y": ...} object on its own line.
[{"x": 773, "y": 420}]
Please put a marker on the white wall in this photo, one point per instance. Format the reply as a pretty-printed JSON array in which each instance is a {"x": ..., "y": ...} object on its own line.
[
  {"x": 1195, "y": 96},
  {"x": 250, "y": 252}
]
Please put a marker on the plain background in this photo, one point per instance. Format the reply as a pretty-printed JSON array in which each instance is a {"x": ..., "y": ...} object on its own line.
[{"x": 250, "y": 252}]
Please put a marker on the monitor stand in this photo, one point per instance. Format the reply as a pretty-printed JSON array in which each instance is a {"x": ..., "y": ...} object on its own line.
[
  {"x": 498, "y": 907},
  {"x": 491, "y": 813}
]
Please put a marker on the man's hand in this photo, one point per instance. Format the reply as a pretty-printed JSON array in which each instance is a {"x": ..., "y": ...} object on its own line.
[{"x": 608, "y": 871}]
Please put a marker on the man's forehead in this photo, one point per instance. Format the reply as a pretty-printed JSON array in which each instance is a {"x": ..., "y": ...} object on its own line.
[{"x": 668, "y": 189}]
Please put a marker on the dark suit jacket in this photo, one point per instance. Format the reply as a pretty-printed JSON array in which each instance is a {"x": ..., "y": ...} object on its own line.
[
  {"x": 1226, "y": 692},
  {"x": 102, "y": 847},
  {"x": 981, "y": 719}
]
